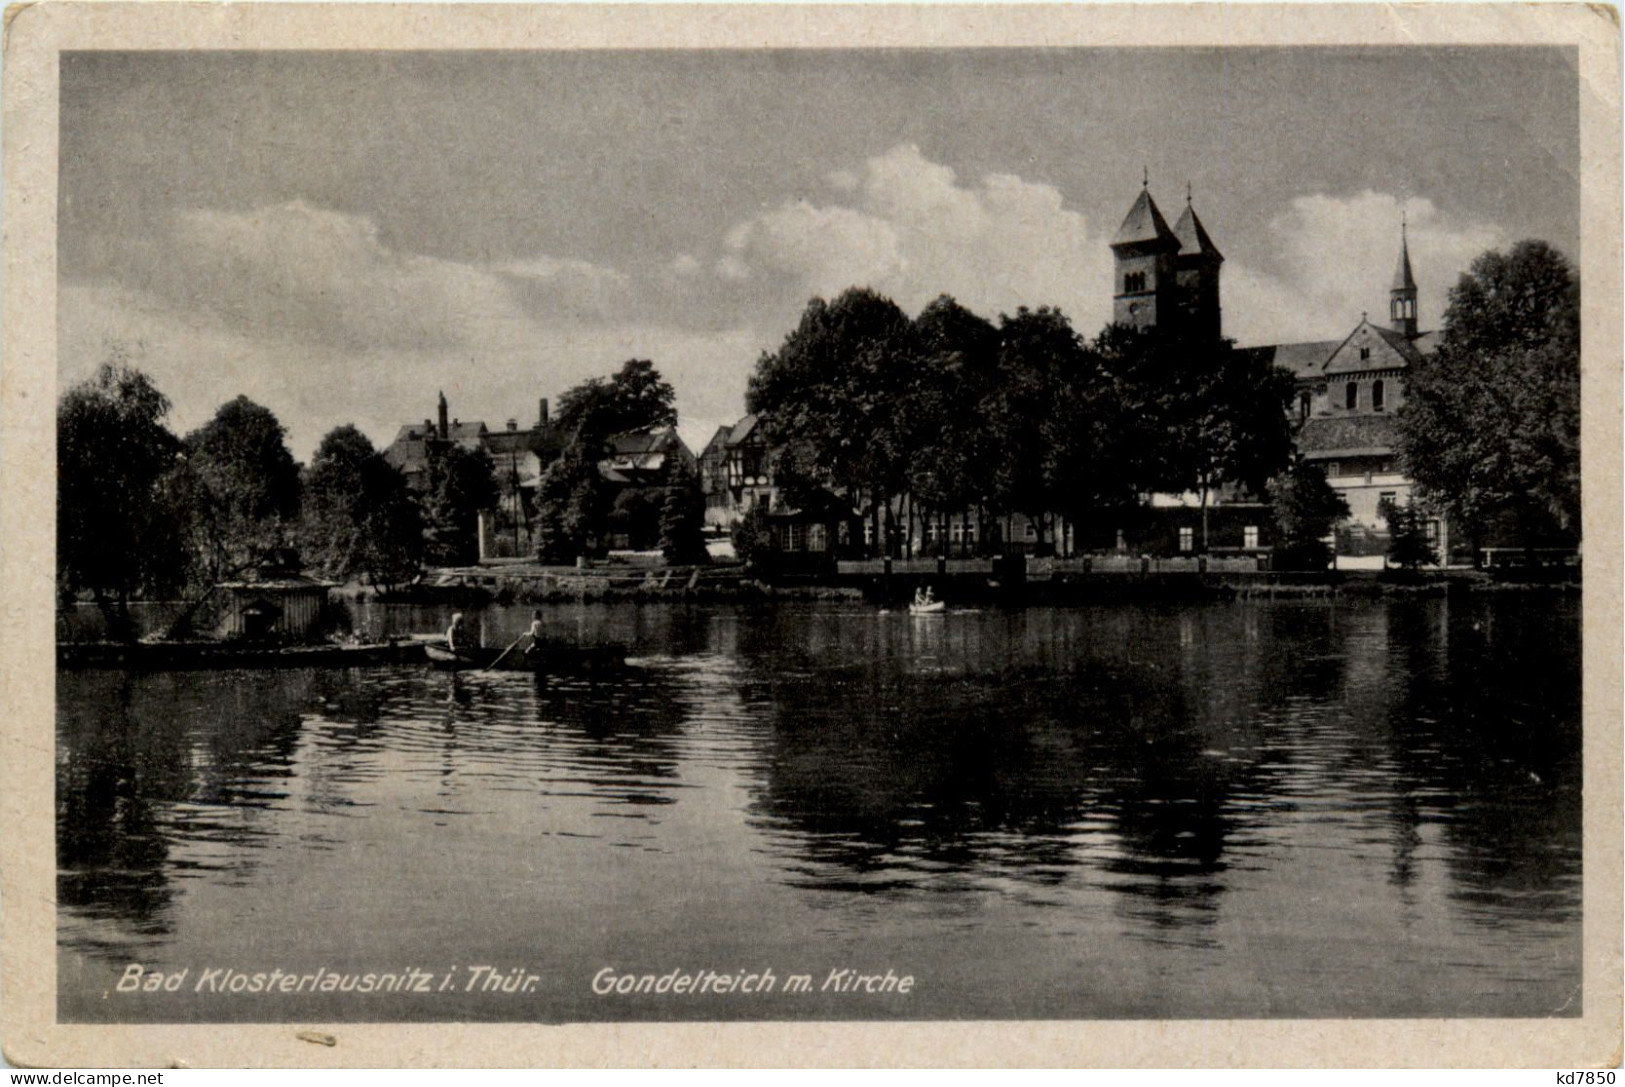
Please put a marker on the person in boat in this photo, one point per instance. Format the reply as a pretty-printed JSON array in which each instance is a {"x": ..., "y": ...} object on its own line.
[
  {"x": 533, "y": 651},
  {"x": 923, "y": 596},
  {"x": 457, "y": 635}
]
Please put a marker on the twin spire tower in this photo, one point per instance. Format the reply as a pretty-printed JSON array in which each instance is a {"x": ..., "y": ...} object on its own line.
[
  {"x": 1169, "y": 278},
  {"x": 1166, "y": 278}
]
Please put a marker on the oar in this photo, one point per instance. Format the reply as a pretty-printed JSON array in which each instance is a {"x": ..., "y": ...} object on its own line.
[{"x": 504, "y": 654}]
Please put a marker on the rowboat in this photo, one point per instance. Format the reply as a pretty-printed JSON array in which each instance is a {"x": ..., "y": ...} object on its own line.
[
  {"x": 936, "y": 607},
  {"x": 562, "y": 658}
]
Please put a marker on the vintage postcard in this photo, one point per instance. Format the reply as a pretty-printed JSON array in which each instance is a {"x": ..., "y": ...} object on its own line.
[{"x": 881, "y": 535}]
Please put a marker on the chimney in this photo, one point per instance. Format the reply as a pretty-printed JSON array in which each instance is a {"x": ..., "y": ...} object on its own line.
[
  {"x": 541, "y": 415},
  {"x": 513, "y": 424},
  {"x": 443, "y": 433}
]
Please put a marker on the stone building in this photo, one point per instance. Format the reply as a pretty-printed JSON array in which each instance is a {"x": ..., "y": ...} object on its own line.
[{"x": 1348, "y": 392}]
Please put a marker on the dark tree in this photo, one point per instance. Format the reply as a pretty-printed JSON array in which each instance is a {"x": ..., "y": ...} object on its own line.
[
  {"x": 112, "y": 451},
  {"x": 752, "y": 538},
  {"x": 682, "y": 516},
  {"x": 1306, "y": 508},
  {"x": 951, "y": 459},
  {"x": 635, "y": 398},
  {"x": 1408, "y": 543},
  {"x": 836, "y": 390},
  {"x": 1490, "y": 427},
  {"x": 1038, "y": 452},
  {"x": 251, "y": 484},
  {"x": 358, "y": 518},
  {"x": 634, "y": 513},
  {"x": 572, "y": 503},
  {"x": 1215, "y": 416},
  {"x": 461, "y": 483}
]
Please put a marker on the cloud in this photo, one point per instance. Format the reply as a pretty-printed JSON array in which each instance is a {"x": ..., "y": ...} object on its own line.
[
  {"x": 913, "y": 230},
  {"x": 201, "y": 362},
  {"x": 312, "y": 313},
  {"x": 1332, "y": 258},
  {"x": 327, "y": 278}
]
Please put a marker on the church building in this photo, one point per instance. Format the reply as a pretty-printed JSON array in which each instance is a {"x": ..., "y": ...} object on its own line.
[
  {"x": 1348, "y": 392},
  {"x": 1347, "y": 389}
]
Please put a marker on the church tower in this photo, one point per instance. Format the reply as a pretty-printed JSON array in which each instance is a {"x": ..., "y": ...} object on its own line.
[
  {"x": 1197, "y": 274},
  {"x": 1146, "y": 254},
  {"x": 1402, "y": 295}
]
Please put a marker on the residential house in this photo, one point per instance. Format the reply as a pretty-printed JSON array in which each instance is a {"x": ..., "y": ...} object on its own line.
[
  {"x": 736, "y": 473},
  {"x": 518, "y": 458},
  {"x": 636, "y": 468}
]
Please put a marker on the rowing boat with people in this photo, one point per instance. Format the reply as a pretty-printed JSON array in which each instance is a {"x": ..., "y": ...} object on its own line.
[{"x": 543, "y": 658}]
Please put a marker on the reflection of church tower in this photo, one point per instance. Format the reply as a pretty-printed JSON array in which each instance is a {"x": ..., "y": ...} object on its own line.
[
  {"x": 1166, "y": 278},
  {"x": 1402, "y": 295}
]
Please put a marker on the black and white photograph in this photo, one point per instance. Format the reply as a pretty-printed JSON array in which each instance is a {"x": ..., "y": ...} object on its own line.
[{"x": 1037, "y": 532}]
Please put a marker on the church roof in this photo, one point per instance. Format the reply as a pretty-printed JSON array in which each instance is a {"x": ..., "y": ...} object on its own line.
[
  {"x": 1385, "y": 350},
  {"x": 1193, "y": 237},
  {"x": 1403, "y": 280},
  {"x": 1347, "y": 435},
  {"x": 1144, "y": 223},
  {"x": 1305, "y": 360}
]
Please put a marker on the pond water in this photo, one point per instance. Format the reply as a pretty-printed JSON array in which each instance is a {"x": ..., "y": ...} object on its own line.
[{"x": 1329, "y": 808}]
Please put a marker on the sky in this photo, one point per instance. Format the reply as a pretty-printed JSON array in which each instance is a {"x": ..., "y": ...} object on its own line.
[{"x": 342, "y": 235}]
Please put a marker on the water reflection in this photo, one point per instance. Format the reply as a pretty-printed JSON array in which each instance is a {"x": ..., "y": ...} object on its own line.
[{"x": 1394, "y": 784}]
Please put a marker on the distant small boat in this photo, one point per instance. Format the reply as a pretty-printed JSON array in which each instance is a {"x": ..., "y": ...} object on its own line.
[
  {"x": 563, "y": 658},
  {"x": 935, "y": 607}
]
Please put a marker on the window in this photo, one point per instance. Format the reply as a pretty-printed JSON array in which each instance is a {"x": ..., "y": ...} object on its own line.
[
  {"x": 1432, "y": 530},
  {"x": 1376, "y": 396},
  {"x": 1249, "y": 537},
  {"x": 798, "y": 537},
  {"x": 1134, "y": 281},
  {"x": 1122, "y": 541},
  {"x": 1333, "y": 469},
  {"x": 1303, "y": 405},
  {"x": 868, "y": 532},
  {"x": 817, "y": 538},
  {"x": 1031, "y": 531},
  {"x": 1351, "y": 396},
  {"x": 1187, "y": 539},
  {"x": 1365, "y": 353}
]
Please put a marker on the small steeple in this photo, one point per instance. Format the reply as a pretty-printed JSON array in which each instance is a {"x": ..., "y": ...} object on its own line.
[
  {"x": 1403, "y": 280},
  {"x": 444, "y": 430},
  {"x": 1402, "y": 295}
]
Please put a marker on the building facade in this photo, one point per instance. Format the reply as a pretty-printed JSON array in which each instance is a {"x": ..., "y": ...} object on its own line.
[{"x": 1348, "y": 393}]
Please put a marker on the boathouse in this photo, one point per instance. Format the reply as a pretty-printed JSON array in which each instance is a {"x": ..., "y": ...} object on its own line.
[{"x": 278, "y": 604}]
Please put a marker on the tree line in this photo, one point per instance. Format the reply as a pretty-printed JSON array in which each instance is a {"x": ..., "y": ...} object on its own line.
[
  {"x": 144, "y": 513},
  {"x": 948, "y": 414}
]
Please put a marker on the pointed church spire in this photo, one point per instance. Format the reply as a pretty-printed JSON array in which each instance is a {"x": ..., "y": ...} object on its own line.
[
  {"x": 1403, "y": 280},
  {"x": 1193, "y": 237},
  {"x": 1402, "y": 295}
]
